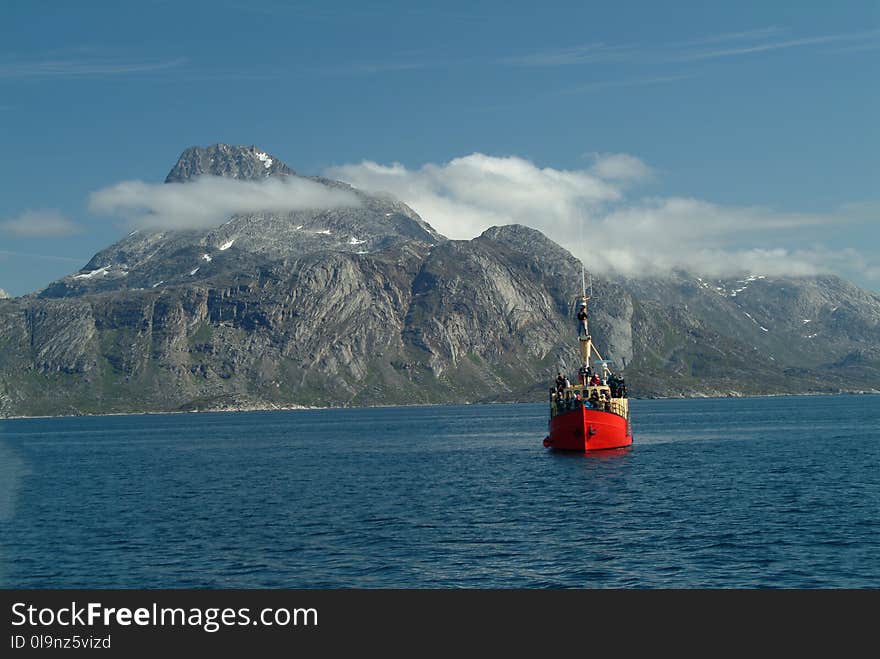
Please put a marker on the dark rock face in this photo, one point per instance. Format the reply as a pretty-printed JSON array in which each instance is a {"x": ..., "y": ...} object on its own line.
[{"x": 285, "y": 316}]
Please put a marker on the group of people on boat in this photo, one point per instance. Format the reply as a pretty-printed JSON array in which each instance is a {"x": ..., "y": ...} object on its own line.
[
  {"x": 566, "y": 400},
  {"x": 617, "y": 386},
  {"x": 586, "y": 377}
]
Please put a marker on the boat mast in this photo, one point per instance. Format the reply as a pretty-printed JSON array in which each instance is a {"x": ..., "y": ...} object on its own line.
[{"x": 585, "y": 341}]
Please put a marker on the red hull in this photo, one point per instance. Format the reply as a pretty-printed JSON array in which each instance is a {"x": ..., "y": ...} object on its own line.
[{"x": 583, "y": 429}]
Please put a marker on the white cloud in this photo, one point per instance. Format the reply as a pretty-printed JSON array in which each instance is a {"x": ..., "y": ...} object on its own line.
[
  {"x": 208, "y": 201},
  {"x": 39, "y": 223},
  {"x": 477, "y": 191},
  {"x": 592, "y": 213}
]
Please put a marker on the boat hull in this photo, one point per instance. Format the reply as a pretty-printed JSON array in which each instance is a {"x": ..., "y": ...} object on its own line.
[{"x": 588, "y": 430}]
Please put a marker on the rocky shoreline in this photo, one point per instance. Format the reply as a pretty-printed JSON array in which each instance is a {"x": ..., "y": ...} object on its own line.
[{"x": 290, "y": 408}]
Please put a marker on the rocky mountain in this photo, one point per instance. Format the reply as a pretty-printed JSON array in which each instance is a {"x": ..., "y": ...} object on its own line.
[
  {"x": 247, "y": 163},
  {"x": 756, "y": 334},
  {"x": 370, "y": 305},
  {"x": 148, "y": 259}
]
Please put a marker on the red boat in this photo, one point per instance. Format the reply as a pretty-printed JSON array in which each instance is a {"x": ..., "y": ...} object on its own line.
[{"x": 593, "y": 414}]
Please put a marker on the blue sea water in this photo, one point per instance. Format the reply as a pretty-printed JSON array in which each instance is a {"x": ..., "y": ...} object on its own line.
[{"x": 753, "y": 492}]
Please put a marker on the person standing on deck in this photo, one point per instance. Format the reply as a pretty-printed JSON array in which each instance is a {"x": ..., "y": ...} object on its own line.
[
  {"x": 582, "y": 319},
  {"x": 612, "y": 383},
  {"x": 584, "y": 374},
  {"x": 560, "y": 381}
]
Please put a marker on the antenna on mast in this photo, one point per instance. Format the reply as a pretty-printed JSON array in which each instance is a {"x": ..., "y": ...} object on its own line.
[
  {"x": 585, "y": 342},
  {"x": 584, "y": 281}
]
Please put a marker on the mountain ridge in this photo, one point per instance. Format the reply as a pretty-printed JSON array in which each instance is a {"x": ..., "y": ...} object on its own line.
[{"x": 285, "y": 316}]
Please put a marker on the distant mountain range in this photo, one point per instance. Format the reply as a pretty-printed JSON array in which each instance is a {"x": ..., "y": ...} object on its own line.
[{"x": 370, "y": 305}]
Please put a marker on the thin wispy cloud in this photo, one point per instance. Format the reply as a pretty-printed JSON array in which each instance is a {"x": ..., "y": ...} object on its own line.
[
  {"x": 619, "y": 167},
  {"x": 38, "y": 223},
  {"x": 81, "y": 68},
  {"x": 315, "y": 11},
  {"x": 632, "y": 82},
  {"x": 46, "y": 257},
  {"x": 713, "y": 46},
  {"x": 582, "y": 54},
  {"x": 757, "y": 33},
  {"x": 373, "y": 68},
  {"x": 351, "y": 12},
  {"x": 751, "y": 48},
  {"x": 707, "y": 47},
  {"x": 411, "y": 59}
]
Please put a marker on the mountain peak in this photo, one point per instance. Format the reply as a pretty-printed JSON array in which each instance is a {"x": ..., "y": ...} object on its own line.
[{"x": 242, "y": 162}]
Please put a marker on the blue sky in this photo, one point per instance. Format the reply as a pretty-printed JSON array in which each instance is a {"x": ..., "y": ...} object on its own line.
[{"x": 759, "y": 114}]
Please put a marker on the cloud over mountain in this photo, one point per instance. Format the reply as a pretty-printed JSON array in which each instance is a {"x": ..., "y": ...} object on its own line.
[
  {"x": 463, "y": 197},
  {"x": 596, "y": 215},
  {"x": 208, "y": 200}
]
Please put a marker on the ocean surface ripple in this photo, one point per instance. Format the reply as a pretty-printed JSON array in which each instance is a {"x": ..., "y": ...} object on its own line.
[{"x": 715, "y": 493}]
